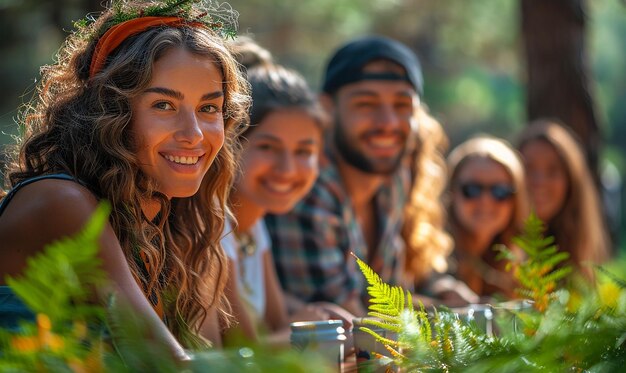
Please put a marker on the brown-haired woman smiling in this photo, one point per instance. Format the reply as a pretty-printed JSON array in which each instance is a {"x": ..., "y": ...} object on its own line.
[{"x": 140, "y": 110}]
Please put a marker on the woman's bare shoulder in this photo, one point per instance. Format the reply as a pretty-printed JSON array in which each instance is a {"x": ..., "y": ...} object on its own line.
[{"x": 45, "y": 211}]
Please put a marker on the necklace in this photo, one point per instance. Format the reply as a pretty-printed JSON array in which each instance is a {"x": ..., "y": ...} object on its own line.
[
  {"x": 247, "y": 244},
  {"x": 247, "y": 248}
]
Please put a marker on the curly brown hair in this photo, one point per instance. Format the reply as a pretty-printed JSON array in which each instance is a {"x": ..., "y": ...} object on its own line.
[{"x": 80, "y": 125}]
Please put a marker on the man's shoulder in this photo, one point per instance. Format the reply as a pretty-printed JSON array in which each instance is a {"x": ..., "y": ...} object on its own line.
[
  {"x": 325, "y": 203},
  {"x": 328, "y": 188}
]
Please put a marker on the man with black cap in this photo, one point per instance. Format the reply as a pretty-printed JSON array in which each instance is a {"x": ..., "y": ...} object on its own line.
[{"x": 371, "y": 90}]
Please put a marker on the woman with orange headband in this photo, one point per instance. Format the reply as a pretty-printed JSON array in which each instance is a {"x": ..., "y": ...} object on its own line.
[{"x": 141, "y": 110}]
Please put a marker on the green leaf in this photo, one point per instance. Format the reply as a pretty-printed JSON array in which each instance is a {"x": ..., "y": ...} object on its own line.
[{"x": 71, "y": 262}]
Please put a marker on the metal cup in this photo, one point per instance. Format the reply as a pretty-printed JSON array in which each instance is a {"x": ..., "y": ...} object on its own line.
[
  {"x": 371, "y": 355},
  {"x": 325, "y": 338},
  {"x": 506, "y": 313},
  {"x": 480, "y": 314}
]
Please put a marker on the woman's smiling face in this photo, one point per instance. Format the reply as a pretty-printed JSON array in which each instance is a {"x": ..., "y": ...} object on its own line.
[
  {"x": 177, "y": 123},
  {"x": 484, "y": 212},
  {"x": 280, "y": 160}
]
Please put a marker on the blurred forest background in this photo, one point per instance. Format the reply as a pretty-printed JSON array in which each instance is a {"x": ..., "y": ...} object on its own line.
[{"x": 478, "y": 74}]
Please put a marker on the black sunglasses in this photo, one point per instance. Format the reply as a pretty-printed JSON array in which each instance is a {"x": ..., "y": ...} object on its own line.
[{"x": 499, "y": 192}]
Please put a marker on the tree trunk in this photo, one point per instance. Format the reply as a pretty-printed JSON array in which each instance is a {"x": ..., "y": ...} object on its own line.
[{"x": 558, "y": 87}]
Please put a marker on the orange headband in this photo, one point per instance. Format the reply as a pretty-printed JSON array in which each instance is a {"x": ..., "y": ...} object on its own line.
[{"x": 120, "y": 32}]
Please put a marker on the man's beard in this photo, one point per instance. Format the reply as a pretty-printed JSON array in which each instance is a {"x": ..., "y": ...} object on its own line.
[{"x": 359, "y": 160}]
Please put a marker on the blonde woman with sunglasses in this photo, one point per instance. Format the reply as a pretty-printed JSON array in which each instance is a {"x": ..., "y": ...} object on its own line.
[{"x": 487, "y": 206}]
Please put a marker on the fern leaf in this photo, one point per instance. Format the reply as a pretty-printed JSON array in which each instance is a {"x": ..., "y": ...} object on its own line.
[
  {"x": 547, "y": 252},
  {"x": 383, "y": 340},
  {"x": 558, "y": 274},
  {"x": 385, "y": 318},
  {"x": 409, "y": 301},
  {"x": 556, "y": 259},
  {"x": 394, "y": 353},
  {"x": 390, "y": 327},
  {"x": 72, "y": 259},
  {"x": 385, "y": 299}
]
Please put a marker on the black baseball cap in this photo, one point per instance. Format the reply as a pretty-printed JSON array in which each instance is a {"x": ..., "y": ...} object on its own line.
[{"x": 346, "y": 65}]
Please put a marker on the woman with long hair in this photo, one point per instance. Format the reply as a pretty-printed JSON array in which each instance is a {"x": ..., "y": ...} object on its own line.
[
  {"x": 141, "y": 109},
  {"x": 488, "y": 205},
  {"x": 563, "y": 193}
]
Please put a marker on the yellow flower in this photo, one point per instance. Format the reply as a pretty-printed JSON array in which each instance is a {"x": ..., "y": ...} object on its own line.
[
  {"x": 609, "y": 294},
  {"x": 44, "y": 339},
  {"x": 24, "y": 344}
]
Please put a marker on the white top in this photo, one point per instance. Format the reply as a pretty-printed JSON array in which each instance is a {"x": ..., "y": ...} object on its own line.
[{"x": 249, "y": 268}]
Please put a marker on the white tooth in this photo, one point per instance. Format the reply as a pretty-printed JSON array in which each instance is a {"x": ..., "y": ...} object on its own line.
[
  {"x": 383, "y": 142},
  {"x": 280, "y": 187},
  {"x": 182, "y": 160}
]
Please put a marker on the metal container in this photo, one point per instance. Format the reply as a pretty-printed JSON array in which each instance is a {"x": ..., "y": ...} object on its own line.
[
  {"x": 326, "y": 338},
  {"x": 371, "y": 355},
  {"x": 479, "y": 314},
  {"x": 506, "y": 313}
]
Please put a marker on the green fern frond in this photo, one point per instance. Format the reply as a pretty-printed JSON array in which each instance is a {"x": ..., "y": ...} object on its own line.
[
  {"x": 385, "y": 299},
  {"x": 387, "y": 326},
  {"x": 558, "y": 274},
  {"x": 538, "y": 275},
  {"x": 75, "y": 265},
  {"x": 425, "y": 328},
  {"x": 395, "y": 353},
  {"x": 547, "y": 252},
  {"x": 385, "y": 318},
  {"x": 557, "y": 259},
  {"x": 390, "y": 306},
  {"x": 383, "y": 340}
]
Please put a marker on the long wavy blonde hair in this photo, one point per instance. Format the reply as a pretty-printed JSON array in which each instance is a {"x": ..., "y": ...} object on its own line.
[
  {"x": 80, "y": 125},
  {"x": 428, "y": 244},
  {"x": 579, "y": 225}
]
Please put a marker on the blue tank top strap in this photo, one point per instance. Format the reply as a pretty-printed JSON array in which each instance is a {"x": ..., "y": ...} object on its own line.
[
  {"x": 5, "y": 201},
  {"x": 12, "y": 310}
]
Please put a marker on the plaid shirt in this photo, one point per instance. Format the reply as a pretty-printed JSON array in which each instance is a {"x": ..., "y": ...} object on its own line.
[{"x": 312, "y": 243}]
